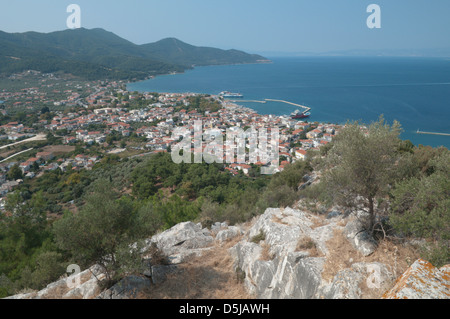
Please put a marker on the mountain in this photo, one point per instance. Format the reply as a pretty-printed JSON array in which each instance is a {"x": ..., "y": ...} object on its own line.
[
  {"x": 175, "y": 51},
  {"x": 98, "y": 54}
]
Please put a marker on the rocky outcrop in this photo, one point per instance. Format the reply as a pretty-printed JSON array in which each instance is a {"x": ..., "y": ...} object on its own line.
[
  {"x": 288, "y": 259},
  {"x": 422, "y": 281},
  {"x": 290, "y": 273},
  {"x": 359, "y": 237},
  {"x": 347, "y": 283},
  {"x": 131, "y": 287},
  {"x": 281, "y": 254},
  {"x": 182, "y": 241},
  {"x": 228, "y": 233},
  {"x": 84, "y": 285}
]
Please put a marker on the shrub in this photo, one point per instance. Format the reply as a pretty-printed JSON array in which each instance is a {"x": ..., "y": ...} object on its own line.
[{"x": 257, "y": 238}]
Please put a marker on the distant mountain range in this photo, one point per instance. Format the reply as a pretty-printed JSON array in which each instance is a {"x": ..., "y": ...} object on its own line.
[
  {"x": 99, "y": 54},
  {"x": 425, "y": 53}
]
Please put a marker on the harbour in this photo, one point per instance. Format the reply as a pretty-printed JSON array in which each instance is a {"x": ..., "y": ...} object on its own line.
[
  {"x": 335, "y": 96},
  {"x": 307, "y": 109},
  {"x": 295, "y": 115}
]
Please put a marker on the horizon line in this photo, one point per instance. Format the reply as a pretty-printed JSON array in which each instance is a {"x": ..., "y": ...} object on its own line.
[{"x": 355, "y": 52}]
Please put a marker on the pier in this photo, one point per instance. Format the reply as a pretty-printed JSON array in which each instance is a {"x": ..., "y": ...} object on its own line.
[
  {"x": 252, "y": 101},
  {"x": 433, "y": 133},
  {"x": 307, "y": 109}
]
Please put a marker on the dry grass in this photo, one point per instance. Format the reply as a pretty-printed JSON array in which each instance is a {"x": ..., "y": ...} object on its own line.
[
  {"x": 8, "y": 153},
  {"x": 342, "y": 255},
  {"x": 210, "y": 276},
  {"x": 156, "y": 255},
  {"x": 318, "y": 221},
  {"x": 59, "y": 149},
  {"x": 279, "y": 220},
  {"x": 307, "y": 244},
  {"x": 265, "y": 253}
]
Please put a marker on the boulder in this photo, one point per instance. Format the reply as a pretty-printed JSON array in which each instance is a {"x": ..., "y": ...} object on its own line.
[
  {"x": 88, "y": 290},
  {"x": 245, "y": 254},
  {"x": 422, "y": 281},
  {"x": 360, "y": 239},
  {"x": 228, "y": 233},
  {"x": 307, "y": 181},
  {"x": 320, "y": 235},
  {"x": 130, "y": 287},
  {"x": 282, "y": 228},
  {"x": 84, "y": 285},
  {"x": 88, "y": 287},
  {"x": 338, "y": 211},
  {"x": 54, "y": 290},
  {"x": 182, "y": 241},
  {"x": 289, "y": 273},
  {"x": 345, "y": 285},
  {"x": 216, "y": 227},
  {"x": 348, "y": 282}
]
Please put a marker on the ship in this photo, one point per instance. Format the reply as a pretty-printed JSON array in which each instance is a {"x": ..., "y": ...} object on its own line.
[
  {"x": 300, "y": 115},
  {"x": 230, "y": 94}
]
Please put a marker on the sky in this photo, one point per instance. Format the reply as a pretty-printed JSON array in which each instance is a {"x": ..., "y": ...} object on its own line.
[{"x": 256, "y": 26}]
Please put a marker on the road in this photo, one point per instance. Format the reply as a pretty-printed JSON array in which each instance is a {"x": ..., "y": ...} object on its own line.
[
  {"x": 38, "y": 137},
  {"x": 9, "y": 157}
]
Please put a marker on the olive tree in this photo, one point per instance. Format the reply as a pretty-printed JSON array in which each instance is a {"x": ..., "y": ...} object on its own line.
[
  {"x": 361, "y": 166},
  {"x": 98, "y": 231}
]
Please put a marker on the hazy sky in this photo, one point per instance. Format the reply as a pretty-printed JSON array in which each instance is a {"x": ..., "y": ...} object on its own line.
[{"x": 250, "y": 25}]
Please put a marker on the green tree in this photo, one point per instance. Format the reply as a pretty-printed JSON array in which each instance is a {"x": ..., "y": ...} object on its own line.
[
  {"x": 45, "y": 109},
  {"x": 292, "y": 175},
  {"x": 363, "y": 165},
  {"x": 15, "y": 173},
  {"x": 148, "y": 220},
  {"x": 23, "y": 232},
  {"x": 421, "y": 208},
  {"x": 94, "y": 235},
  {"x": 49, "y": 267}
]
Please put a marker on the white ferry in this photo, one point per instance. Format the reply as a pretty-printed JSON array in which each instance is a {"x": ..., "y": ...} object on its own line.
[{"x": 230, "y": 94}]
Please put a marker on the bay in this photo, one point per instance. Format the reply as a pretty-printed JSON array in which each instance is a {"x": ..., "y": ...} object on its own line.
[{"x": 414, "y": 91}]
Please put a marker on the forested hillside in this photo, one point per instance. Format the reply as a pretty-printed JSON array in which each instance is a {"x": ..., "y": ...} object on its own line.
[{"x": 98, "y": 54}]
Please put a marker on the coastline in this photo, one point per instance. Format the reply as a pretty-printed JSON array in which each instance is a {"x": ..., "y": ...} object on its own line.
[
  {"x": 295, "y": 79},
  {"x": 150, "y": 77}
]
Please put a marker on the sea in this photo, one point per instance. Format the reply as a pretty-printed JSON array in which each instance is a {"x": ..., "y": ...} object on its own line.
[{"x": 412, "y": 90}]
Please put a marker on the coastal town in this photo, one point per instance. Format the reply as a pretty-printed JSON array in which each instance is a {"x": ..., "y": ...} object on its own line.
[{"x": 126, "y": 124}]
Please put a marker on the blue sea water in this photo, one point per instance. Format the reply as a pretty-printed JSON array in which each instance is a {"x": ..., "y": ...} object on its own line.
[{"x": 414, "y": 91}]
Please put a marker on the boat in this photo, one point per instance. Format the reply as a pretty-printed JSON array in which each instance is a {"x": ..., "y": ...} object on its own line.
[
  {"x": 230, "y": 94},
  {"x": 300, "y": 115}
]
